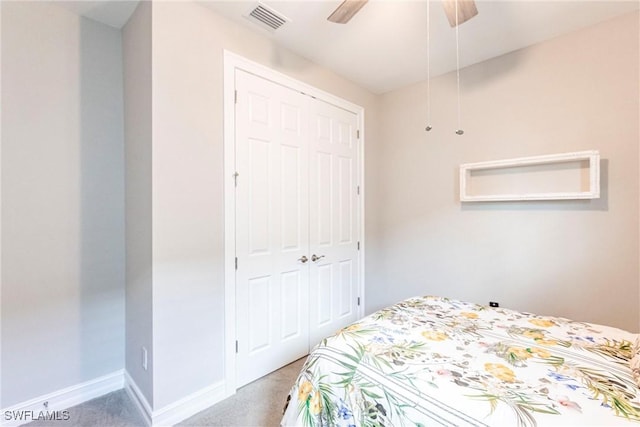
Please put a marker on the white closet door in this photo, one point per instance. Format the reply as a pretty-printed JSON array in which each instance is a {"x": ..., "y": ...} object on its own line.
[
  {"x": 272, "y": 223},
  {"x": 334, "y": 217}
]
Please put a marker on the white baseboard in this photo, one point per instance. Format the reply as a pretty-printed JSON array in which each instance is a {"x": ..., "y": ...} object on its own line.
[
  {"x": 189, "y": 405},
  {"x": 179, "y": 410},
  {"x": 63, "y": 399},
  {"x": 138, "y": 398},
  {"x": 80, "y": 393}
]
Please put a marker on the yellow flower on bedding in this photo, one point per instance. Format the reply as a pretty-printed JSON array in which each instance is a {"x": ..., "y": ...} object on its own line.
[
  {"x": 541, "y": 353},
  {"x": 350, "y": 328},
  {"x": 469, "y": 315},
  {"x": 500, "y": 371},
  {"x": 435, "y": 335},
  {"x": 519, "y": 352},
  {"x": 304, "y": 390},
  {"x": 536, "y": 335},
  {"x": 315, "y": 405},
  {"x": 543, "y": 323}
]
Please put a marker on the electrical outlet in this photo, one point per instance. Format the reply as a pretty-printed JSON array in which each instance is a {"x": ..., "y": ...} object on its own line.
[
  {"x": 493, "y": 304},
  {"x": 144, "y": 358}
]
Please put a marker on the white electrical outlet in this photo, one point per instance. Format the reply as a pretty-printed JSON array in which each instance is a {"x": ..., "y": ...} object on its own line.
[{"x": 144, "y": 358}]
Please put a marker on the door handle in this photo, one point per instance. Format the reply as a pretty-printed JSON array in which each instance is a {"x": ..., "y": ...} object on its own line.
[
  {"x": 315, "y": 258},
  {"x": 303, "y": 259}
]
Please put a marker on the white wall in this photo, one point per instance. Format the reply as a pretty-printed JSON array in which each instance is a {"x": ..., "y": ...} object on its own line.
[
  {"x": 577, "y": 259},
  {"x": 1, "y": 406},
  {"x": 62, "y": 200},
  {"x": 188, "y": 227},
  {"x": 136, "y": 40}
]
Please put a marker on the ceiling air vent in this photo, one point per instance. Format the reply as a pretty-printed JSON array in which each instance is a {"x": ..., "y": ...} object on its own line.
[{"x": 266, "y": 17}]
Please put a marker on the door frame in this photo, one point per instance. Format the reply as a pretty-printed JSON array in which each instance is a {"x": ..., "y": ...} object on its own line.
[{"x": 233, "y": 62}]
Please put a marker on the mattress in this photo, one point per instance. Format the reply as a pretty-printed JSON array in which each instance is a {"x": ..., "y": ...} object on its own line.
[{"x": 433, "y": 361}]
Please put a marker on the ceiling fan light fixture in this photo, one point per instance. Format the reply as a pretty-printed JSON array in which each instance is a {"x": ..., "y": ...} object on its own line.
[
  {"x": 346, "y": 11},
  {"x": 465, "y": 10}
]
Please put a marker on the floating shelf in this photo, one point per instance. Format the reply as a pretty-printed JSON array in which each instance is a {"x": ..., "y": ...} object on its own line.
[{"x": 550, "y": 177}]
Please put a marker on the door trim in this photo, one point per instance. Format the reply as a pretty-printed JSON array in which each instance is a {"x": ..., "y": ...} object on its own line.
[{"x": 233, "y": 62}]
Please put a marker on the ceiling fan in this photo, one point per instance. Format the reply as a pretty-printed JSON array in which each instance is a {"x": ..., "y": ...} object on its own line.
[{"x": 466, "y": 10}]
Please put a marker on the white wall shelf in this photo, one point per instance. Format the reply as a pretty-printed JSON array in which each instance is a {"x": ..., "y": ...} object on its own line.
[{"x": 550, "y": 177}]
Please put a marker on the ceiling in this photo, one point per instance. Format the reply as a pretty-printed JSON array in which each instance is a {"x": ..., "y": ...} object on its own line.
[
  {"x": 384, "y": 46},
  {"x": 114, "y": 13}
]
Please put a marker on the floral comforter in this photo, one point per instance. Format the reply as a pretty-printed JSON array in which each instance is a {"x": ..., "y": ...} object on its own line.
[{"x": 434, "y": 361}]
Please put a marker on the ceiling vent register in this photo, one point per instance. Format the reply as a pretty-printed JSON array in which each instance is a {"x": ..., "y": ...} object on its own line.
[{"x": 267, "y": 17}]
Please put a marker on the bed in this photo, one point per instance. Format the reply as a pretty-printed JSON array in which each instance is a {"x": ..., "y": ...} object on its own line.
[{"x": 432, "y": 361}]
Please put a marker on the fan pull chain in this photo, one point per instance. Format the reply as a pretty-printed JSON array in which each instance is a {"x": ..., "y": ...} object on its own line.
[
  {"x": 429, "y": 127},
  {"x": 459, "y": 131}
]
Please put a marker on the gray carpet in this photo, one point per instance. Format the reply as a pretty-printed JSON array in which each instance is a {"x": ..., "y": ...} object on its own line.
[
  {"x": 257, "y": 404},
  {"x": 111, "y": 410}
]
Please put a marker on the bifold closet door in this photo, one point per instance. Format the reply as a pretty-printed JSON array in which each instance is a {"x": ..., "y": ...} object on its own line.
[
  {"x": 333, "y": 197},
  {"x": 296, "y": 224},
  {"x": 272, "y": 223}
]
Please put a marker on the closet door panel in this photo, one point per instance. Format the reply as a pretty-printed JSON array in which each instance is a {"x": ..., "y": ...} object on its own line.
[
  {"x": 333, "y": 217},
  {"x": 272, "y": 226}
]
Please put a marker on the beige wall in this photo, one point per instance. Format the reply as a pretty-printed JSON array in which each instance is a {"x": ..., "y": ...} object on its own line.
[
  {"x": 62, "y": 200},
  {"x": 188, "y": 203},
  {"x": 136, "y": 50},
  {"x": 577, "y": 259}
]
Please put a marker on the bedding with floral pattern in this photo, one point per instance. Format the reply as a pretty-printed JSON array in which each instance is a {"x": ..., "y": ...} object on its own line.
[
  {"x": 434, "y": 361},
  {"x": 635, "y": 362}
]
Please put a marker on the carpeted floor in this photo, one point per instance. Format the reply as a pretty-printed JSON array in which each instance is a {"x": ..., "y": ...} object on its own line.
[
  {"x": 257, "y": 404},
  {"x": 113, "y": 410}
]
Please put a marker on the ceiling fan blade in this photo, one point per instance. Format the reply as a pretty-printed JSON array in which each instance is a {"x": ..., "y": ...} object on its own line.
[
  {"x": 466, "y": 10},
  {"x": 346, "y": 10}
]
